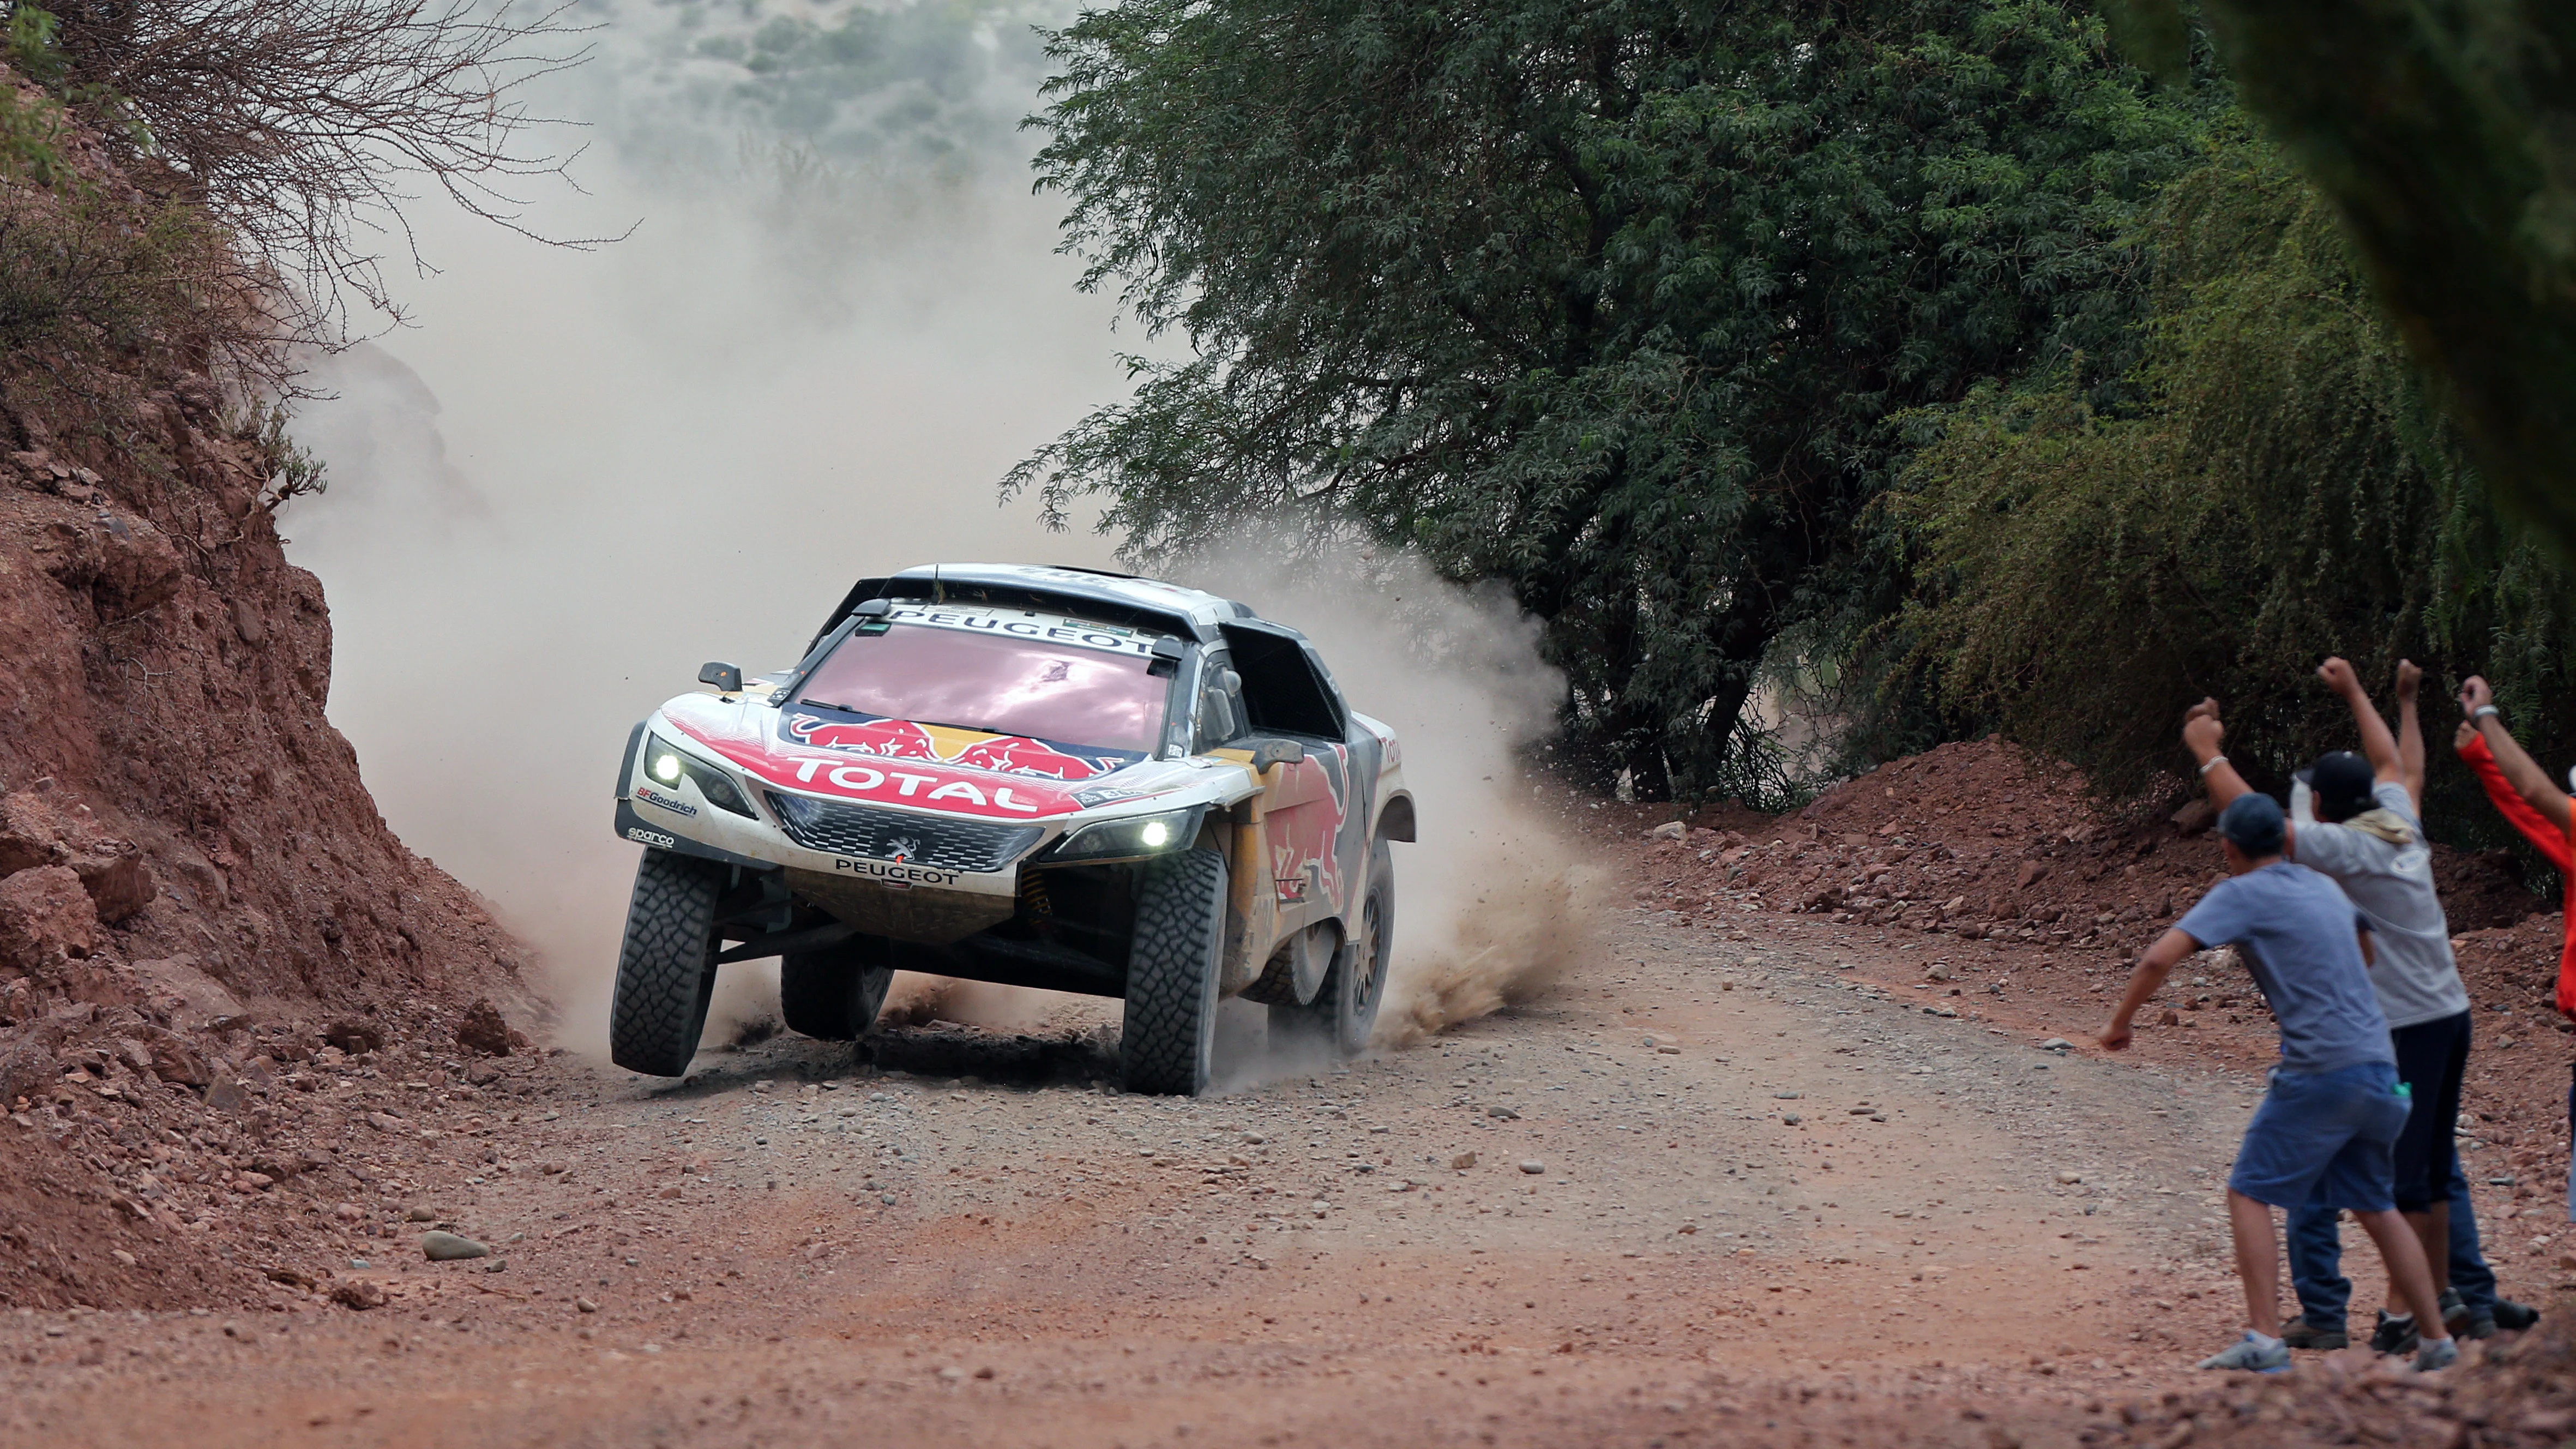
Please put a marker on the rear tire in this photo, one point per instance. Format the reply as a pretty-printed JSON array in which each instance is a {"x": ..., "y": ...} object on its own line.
[
  {"x": 834, "y": 994},
  {"x": 666, "y": 969},
  {"x": 1343, "y": 1014},
  {"x": 1168, "y": 1046},
  {"x": 1358, "y": 984}
]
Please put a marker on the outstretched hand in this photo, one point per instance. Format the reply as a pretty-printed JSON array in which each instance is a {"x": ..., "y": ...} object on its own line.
[
  {"x": 2338, "y": 675},
  {"x": 2409, "y": 675}
]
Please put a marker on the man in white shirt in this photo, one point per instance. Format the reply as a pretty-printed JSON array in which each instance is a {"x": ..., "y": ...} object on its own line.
[{"x": 2368, "y": 836}]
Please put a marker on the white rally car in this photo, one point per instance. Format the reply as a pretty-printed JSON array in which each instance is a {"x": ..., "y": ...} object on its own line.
[{"x": 1037, "y": 776}]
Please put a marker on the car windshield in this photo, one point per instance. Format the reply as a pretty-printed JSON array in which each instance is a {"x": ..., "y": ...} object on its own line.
[{"x": 1005, "y": 684}]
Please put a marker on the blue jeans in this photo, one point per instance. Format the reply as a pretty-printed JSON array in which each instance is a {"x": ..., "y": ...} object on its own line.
[{"x": 2316, "y": 1259}]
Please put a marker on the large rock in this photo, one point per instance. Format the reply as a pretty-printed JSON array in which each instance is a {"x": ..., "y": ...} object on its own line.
[
  {"x": 482, "y": 1030},
  {"x": 45, "y": 918},
  {"x": 125, "y": 563},
  {"x": 28, "y": 834},
  {"x": 193, "y": 999},
  {"x": 175, "y": 1058},
  {"x": 46, "y": 827},
  {"x": 119, "y": 884}
]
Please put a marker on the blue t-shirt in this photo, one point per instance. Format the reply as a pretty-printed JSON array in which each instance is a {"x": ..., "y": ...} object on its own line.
[{"x": 2295, "y": 929}]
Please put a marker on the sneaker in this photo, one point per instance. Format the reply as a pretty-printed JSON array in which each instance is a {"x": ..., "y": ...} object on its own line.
[
  {"x": 2300, "y": 1333},
  {"x": 2394, "y": 1335},
  {"x": 2480, "y": 1325},
  {"x": 2437, "y": 1353},
  {"x": 2515, "y": 1316},
  {"x": 2253, "y": 1357},
  {"x": 2455, "y": 1311}
]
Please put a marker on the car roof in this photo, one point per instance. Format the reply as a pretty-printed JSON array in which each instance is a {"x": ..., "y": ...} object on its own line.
[
  {"x": 1091, "y": 585},
  {"x": 1113, "y": 597}
]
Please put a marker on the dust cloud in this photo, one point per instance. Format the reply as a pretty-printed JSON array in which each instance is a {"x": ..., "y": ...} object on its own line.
[
  {"x": 1493, "y": 902},
  {"x": 584, "y": 474}
]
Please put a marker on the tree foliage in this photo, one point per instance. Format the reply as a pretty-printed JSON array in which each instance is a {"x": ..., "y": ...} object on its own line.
[
  {"x": 2444, "y": 133},
  {"x": 2288, "y": 491},
  {"x": 299, "y": 126},
  {"x": 1612, "y": 301}
]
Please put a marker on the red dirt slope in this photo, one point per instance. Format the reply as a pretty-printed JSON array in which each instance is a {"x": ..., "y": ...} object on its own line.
[{"x": 193, "y": 880}]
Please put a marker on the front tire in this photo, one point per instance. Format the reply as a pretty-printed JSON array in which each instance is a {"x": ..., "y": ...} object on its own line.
[
  {"x": 1168, "y": 1045},
  {"x": 666, "y": 969},
  {"x": 834, "y": 994}
]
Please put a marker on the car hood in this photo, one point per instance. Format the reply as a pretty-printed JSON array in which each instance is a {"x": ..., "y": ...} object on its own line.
[{"x": 937, "y": 767}]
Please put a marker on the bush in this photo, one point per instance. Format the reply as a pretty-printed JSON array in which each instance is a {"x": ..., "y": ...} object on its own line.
[
  {"x": 81, "y": 269},
  {"x": 2290, "y": 491}
]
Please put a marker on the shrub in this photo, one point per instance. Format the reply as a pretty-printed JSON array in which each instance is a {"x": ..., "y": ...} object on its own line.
[{"x": 2290, "y": 491}]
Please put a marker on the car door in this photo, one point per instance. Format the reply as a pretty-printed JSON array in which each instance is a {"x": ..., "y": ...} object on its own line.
[{"x": 1314, "y": 817}]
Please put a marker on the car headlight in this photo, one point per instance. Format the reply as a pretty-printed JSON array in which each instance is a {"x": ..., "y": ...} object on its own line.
[
  {"x": 1133, "y": 838},
  {"x": 665, "y": 766}
]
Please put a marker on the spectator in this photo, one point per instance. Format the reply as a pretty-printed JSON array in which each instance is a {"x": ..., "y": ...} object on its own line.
[
  {"x": 2539, "y": 809},
  {"x": 2331, "y": 1118},
  {"x": 2368, "y": 837},
  {"x": 2316, "y": 1278}
]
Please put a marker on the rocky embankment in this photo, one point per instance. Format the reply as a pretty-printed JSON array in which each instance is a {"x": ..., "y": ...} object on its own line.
[{"x": 198, "y": 901}]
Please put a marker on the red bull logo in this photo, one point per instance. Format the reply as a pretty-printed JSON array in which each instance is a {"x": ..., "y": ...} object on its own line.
[
  {"x": 891, "y": 739},
  {"x": 895, "y": 739},
  {"x": 1019, "y": 755}
]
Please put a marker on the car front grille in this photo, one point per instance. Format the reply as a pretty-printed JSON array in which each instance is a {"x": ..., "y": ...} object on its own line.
[{"x": 939, "y": 842}]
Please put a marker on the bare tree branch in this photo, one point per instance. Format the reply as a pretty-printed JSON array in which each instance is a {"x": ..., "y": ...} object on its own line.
[{"x": 305, "y": 126}]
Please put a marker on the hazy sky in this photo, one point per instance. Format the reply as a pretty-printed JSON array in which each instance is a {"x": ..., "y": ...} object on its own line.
[{"x": 581, "y": 474}]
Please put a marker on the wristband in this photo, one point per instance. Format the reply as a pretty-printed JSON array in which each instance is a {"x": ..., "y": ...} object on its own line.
[
  {"x": 2214, "y": 762},
  {"x": 2481, "y": 712}
]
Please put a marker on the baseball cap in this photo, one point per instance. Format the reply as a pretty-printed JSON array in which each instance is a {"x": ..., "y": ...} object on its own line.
[
  {"x": 2342, "y": 781},
  {"x": 2252, "y": 823}
]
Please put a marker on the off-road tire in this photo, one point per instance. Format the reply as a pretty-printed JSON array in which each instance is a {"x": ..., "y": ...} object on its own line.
[
  {"x": 834, "y": 994},
  {"x": 1168, "y": 1046},
  {"x": 666, "y": 969},
  {"x": 1344, "y": 1011},
  {"x": 1358, "y": 984}
]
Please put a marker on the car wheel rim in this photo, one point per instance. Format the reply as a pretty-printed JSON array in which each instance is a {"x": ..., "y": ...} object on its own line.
[{"x": 1364, "y": 978}]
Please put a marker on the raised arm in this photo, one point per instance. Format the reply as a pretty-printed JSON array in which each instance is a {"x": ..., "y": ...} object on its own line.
[
  {"x": 2528, "y": 779},
  {"x": 2377, "y": 744},
  {"x": 2410, "y": 734},
  {"x": 2552, "y": 844},
  {"x": 2202, "y": 734}
]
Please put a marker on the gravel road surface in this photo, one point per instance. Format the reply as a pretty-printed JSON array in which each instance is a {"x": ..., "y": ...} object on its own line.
[{"x": 1716, "y": 1187}]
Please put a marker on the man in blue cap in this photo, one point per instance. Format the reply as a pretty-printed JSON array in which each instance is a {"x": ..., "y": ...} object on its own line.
[
  {"x": 2367, "y": 834},
  {"x": 2330, "y": 1120}
]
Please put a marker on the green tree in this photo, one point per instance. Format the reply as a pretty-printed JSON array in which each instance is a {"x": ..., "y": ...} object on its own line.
[
  {"x": 2444, "y": 133},
  {"x": 1609, "y": 300},
  {"x": 2288, "y": 491}
]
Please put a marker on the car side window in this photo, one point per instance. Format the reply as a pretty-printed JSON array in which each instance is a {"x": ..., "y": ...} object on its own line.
[{"x": 1284, "y": 689}]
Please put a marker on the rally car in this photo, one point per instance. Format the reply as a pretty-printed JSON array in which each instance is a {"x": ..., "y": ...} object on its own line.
[{"x": 1050, "y": 777}]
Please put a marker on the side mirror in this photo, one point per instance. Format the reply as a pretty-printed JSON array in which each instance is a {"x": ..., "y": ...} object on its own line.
[
  {"x": 727, "y": 678},
  {"x": 1276, "y": 752}
]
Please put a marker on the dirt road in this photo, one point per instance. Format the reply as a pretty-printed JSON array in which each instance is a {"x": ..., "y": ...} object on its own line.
[{"x": 1714, "y": 1189}]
